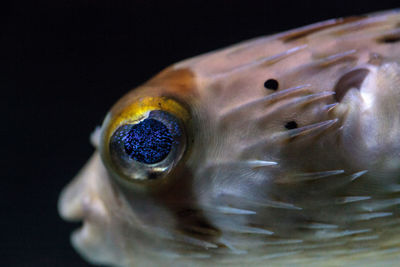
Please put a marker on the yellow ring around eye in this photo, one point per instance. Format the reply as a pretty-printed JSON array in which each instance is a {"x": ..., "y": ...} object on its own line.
[
  {"x": 133, "y": 113},
  {"x": 138, "y": 110}
]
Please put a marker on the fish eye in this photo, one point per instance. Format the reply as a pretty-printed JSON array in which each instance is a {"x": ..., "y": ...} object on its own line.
[
  {"x": 146, "y": 143},
  {"x": 146, "y": 149}
]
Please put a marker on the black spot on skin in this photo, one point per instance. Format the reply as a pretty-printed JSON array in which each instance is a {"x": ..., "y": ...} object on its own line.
[
  {"x": 291, "y": 125},
  {"x": 271, "y": 84},
  {"x": 352, "y": 79}
]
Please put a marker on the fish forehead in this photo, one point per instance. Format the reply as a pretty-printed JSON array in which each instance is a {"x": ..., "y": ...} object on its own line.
[{"x": 228, "y": 209}]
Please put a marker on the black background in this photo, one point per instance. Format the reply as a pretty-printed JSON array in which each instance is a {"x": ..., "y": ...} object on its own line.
[{"x": 63, "y": 63}]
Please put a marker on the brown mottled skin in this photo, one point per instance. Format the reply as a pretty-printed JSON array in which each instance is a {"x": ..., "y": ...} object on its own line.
[{"x": 249, "y": 189}]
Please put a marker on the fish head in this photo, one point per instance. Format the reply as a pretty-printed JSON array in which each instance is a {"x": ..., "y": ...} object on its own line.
[
  {"x": 115, "y": 191},
  {"x": 284, "y": 148}
]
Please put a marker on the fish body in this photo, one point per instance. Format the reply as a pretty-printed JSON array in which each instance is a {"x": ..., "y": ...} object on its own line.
[{"x": 282, "y": 150}]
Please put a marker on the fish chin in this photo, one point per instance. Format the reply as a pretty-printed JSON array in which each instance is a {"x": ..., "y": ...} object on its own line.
[{"x": 91, "y": 243}]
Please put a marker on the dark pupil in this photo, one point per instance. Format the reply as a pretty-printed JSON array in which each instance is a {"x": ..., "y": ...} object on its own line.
[{"x": 148, "y": 141}]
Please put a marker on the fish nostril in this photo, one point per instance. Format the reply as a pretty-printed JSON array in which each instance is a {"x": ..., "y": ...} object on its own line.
[{"x": 352, "y": 79}]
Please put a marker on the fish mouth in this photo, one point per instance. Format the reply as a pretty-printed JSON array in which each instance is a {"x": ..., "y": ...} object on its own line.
[
  {"x": 89, "y": 241},
  {"x": 89, "y": 211}
]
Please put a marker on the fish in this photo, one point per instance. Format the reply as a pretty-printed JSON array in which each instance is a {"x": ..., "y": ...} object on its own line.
[{"x": 278, "y": 151}]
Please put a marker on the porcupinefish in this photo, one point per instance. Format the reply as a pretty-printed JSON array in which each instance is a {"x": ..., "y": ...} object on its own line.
[{"x": 281, "y": 150}]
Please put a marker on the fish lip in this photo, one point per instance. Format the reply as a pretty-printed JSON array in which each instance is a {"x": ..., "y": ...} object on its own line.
[
  {"x": 87, "y": 241},
  {"x": 88, "y": 209},
  {"x": 83, "y": 201},
  {"x": 84, "y": 206},
  {"x": 82, "y": 212},
  {"x": 94, "y": 241}
]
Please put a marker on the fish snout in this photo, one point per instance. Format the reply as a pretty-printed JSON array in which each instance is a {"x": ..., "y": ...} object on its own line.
[{"x": 81, "y": 198}]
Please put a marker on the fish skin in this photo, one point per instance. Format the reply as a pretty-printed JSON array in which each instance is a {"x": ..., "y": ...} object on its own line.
[{"x": 249, "y": 191}]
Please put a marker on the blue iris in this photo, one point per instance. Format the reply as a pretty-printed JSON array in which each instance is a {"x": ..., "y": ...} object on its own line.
[{"x": 148, "y": 142}]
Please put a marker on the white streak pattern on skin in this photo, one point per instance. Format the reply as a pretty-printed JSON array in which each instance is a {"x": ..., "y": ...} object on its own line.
[
  {"x": 329, "y": 107},
  {"x": 351, "y": 199},
  {"x": 229, "y": 210},
  {"x": 265, "y": 203},
  {"x": 259, "y": 62},
  {"x": 358, "y": 175},
  {"x": 320, "y": 226},
  {"x": 380, "y": 204},
  {"x": 315, "y": 128},
  {"x": 309, "y": 129},
  {"x": 335, "y": 57},
  {"x": 302, "y": 177},
  {"x": 295, "y": 102},
  {"x": 373, "y": 215},
  {"x": 246, "y": 107}
]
